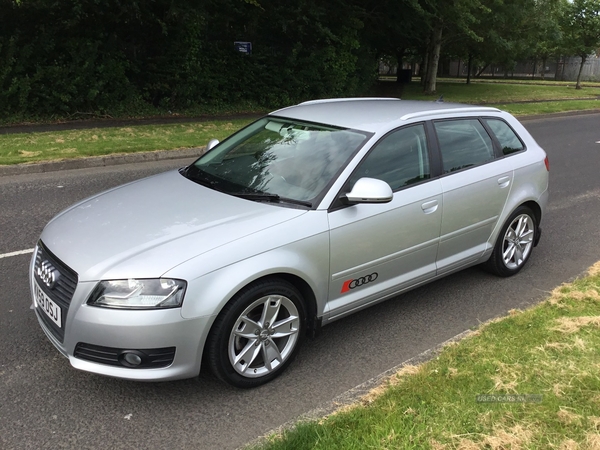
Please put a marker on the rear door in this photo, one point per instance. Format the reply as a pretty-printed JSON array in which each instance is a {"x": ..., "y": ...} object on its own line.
[{"x": 475, "y": 188}]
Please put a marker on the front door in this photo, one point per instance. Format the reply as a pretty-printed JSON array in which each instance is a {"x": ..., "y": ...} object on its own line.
[{"x": 380, "y": 249}]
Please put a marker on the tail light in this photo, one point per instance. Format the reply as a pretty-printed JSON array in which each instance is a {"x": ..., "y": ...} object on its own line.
[{"x": 547, "y": 164}]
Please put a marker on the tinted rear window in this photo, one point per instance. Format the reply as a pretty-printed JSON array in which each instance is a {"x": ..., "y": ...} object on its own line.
[{"x": 508, "y": 139}]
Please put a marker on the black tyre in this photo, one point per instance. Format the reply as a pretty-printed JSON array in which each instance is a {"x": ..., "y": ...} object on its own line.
[
  {"x": 257, "y": 334},
  {"x": 515, "y": 243}
]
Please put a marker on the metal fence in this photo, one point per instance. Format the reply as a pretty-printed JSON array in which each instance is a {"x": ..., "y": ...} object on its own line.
[{"x": 561, "y": 69}]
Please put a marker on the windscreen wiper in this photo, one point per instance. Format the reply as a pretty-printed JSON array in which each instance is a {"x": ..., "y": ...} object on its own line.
[
  {"x": 267, "y": 197},
  {"x": 197, "y": 176}
]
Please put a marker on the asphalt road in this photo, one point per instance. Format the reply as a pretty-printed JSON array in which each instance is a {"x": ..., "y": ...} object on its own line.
[{"x": 44, "y": 403}]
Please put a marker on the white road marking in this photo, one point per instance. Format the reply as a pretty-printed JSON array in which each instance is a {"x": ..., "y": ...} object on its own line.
[{"x": 20, "y": 252}]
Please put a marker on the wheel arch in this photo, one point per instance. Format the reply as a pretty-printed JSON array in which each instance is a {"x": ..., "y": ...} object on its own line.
[
  {"x": 310, "y": 300},
  {"x": 536, "y": 208},
  {"x": 217, "y": 357},
  {"x": 494, "y": 263},
  {"x": 313, "y": 323},
  {"x": 537, "y": 212}
]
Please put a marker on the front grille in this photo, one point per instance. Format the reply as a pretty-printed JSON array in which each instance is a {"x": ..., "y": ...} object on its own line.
[
  {"x": 61, "y": 293},
  {"x": 152, "y": 358}
]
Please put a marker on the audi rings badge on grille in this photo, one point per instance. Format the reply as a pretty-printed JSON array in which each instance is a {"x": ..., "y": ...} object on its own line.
[
  {"x": 358, "y": 282},
  {"x": 48, "y": 274}
]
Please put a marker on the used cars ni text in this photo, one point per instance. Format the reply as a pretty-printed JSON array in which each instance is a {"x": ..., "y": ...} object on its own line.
[{"x": 309, "y": 214}]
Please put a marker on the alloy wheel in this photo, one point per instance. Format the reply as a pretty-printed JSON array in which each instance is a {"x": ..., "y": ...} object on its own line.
[{"x": 264, "y": 336}]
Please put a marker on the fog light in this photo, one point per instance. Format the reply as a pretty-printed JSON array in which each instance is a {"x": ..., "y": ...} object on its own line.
[{"x": 132, "y": 359}]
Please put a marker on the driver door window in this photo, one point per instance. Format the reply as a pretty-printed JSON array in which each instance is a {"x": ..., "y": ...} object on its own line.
[{"x": 400, "y": 159}]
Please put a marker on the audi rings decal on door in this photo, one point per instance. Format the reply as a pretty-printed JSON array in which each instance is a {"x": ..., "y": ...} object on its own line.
[{"x": 358, "y": 282}]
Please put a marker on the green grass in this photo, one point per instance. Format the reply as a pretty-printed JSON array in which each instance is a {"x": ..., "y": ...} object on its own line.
[
  {"x": 529, "y": 81},
  {"x": 486, "y": 93},
  {"x": 550, "y": 350},
  {"x": 48, "y": 146},
  {"x": 520, "y": 97},
  {"x": 543, "y": 98},
  {"x": 546, "y": 82}
]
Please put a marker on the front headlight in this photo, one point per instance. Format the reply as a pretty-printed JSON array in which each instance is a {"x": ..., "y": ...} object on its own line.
[{"x": 138, "y": 294}]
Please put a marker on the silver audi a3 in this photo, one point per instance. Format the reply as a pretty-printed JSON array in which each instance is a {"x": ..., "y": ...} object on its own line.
[{"x": 303, "y": 217}]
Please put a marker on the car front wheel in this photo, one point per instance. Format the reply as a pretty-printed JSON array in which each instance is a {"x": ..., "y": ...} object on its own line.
[
  {"x": 257, "y": 334},
  {"x": 515, "y": 243}
]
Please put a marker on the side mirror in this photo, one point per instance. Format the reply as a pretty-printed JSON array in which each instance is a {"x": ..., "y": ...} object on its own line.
[
  {"x": 211, "y": 144},
  {"x": 370, "y": 190}
]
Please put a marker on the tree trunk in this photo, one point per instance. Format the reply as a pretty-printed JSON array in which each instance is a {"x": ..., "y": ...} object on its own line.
[
  {"x": 458, "y": 70},
  {"x": 469, "y": 66},
  {"x": 583, "y": 59},
  {"x": 544, "y": 60},
  {"x": 434, "y": 59},
  {"x": 534, "y": 66},
  {"x": 558, "y": 69},
  {"x": 423, "y": 68},
  {"x": 399, "y": 58}
]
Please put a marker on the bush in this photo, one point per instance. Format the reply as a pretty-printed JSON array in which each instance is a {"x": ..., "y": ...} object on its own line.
[{"x": 59, "y": 58}]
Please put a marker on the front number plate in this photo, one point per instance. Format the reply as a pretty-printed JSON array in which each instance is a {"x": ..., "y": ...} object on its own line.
[{"x": 49, "y": 308}]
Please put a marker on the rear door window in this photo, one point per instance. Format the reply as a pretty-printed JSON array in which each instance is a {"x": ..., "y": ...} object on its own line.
[
  {"x": 509, "y": 142},
  {"x": 463, "y": 143}
]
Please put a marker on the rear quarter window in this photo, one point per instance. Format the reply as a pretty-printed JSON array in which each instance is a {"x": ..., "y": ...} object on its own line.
[{"x": 509, "y": 141}]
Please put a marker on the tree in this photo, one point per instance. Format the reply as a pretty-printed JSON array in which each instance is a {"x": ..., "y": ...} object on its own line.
[
  {"x": 505, "y": 33},
  {"x": 393, "y": 29},
  {"x": 581, "y": 27},
  {"x": 545, "y": 39},
  {"x": 458, "y": 16}
]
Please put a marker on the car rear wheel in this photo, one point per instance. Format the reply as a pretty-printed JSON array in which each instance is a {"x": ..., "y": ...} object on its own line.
[
  {"x": 257, "y": 334},
  {"x": 515, "y": 243}
]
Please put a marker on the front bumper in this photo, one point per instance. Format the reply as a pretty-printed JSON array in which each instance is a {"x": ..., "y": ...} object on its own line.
[{"x": 135, "y": 330}]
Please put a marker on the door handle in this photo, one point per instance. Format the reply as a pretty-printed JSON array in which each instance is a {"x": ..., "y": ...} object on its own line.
[
  {"x": 503, "y": 181},
  {"x": 429, "y": 207}
]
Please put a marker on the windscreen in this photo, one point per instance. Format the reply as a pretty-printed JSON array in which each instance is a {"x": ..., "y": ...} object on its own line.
[{"x": 278, "y": 156}]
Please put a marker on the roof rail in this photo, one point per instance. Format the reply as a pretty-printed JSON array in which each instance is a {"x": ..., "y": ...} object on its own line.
[
  {"x": 450, "y": 110},
  {"x": 346, "y": 99}
]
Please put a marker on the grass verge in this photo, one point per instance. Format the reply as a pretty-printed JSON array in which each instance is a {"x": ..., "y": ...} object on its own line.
[
  {"x": 529, "y": 380},
  {"x": 530, "y": 81},
  {"x": 486, "y": 93},
  {"x": 49, "y": 146},
  {"x": 36, "y": 147},
  {"x": 517, "y": 97}
]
